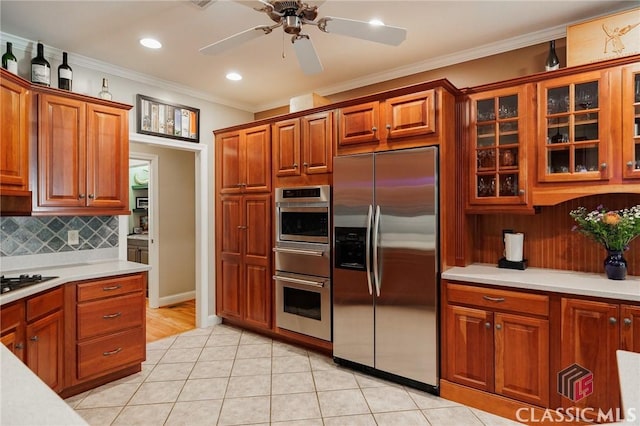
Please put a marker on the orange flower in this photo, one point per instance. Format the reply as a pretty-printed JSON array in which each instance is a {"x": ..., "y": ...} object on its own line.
[{"x": 611, "y": 218}]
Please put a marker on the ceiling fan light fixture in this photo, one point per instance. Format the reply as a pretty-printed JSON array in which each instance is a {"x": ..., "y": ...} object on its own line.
[
  {"x": 292, "y": 25},
  {"x": 234, "y": 76},
  {"x": 150, "y": 43}
]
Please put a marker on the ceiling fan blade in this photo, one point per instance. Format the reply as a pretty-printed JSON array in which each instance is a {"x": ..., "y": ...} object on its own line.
[
  {"x": 359, "y": 29},
  {"x": 255, "y": 4},
  {"x": 235, "y": 40},
  {"x": 306, "y": 53}
]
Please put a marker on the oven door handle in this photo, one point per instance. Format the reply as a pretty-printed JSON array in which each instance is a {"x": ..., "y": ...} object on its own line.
[
  {"x": 317, "y": 253},
  {"x": 299, "y": 281}
]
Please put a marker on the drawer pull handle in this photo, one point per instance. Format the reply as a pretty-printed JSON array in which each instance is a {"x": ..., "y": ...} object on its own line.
[
  {"x": 113, "y": 352},
  {"x": 109, "y": 316},
  {"x": 493, "y": 299},
  {"x": 113, "y": 287}
]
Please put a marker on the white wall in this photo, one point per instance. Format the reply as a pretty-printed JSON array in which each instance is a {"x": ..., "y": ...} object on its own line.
[{"x": 124, "y": 85}]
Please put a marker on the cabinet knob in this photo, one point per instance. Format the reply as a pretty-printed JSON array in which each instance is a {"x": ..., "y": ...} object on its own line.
[
  {"x": 239, "y": 185},
  {"x": 629, "y": 163},
  {"x": 388, "y": 126},
  {"x": 487, "y": 324},
  {"x": 521, "y": 192},
  {"x": 612, "y": 320},
  {"x": 81, "y": 196},
  {"x": 498, "y": 326},
  {"x": 34, "y": 338},
  {"x": 305, "y": 164},
  {"x": 603, "y": 166},
  {"x": 627, "y": 321},
  {"x": 91, "y": 196},
  {"x": 374, "y": 129},
  {"x": 19, "y": 346},
  {"x": 295, "y": 165}
]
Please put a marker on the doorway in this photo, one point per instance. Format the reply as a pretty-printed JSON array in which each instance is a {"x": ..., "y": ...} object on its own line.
[{"x": 204, "y": 308}]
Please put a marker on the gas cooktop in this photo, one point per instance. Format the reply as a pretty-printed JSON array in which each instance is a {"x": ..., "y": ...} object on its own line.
[{"x": 8, "y": 284}]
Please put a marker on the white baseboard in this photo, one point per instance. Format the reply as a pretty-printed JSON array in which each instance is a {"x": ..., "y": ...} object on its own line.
[{"x": 176, "y": 298}]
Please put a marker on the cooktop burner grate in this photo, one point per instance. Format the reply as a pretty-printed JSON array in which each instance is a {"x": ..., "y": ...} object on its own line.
[{"x": 8, "y": 284}]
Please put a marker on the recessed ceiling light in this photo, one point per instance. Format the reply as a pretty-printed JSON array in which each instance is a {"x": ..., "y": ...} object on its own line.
[
  {"x": 376, "y": 22},
  {"x": 150, "y": 43},
  {"x": 234, "y": 76}
]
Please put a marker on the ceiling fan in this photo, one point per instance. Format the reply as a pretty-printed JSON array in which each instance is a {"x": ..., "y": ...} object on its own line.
[{"x": 291, "y": 15}]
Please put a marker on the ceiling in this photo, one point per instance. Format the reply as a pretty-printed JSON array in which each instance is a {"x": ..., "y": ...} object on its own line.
[{"x": 439, "y": 33}]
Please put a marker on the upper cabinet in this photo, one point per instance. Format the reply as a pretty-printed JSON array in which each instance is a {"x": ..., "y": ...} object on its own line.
[
  {"x": 243, "y": 160},
  {"x": 83, "y": 153},
  {"x": 500, "y": 129},
  {"x": 14, "y": 137},
  {"x": 574, "y": 140},
  {"x": 631, "y": 121},
  {"x": 401, "y": 117},
  {"x": 303, "y": 149}
]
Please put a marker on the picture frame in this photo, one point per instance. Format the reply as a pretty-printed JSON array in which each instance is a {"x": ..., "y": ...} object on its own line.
[
  {"x": 155, "y": 117},
  {"x": 142, "y": 202}
]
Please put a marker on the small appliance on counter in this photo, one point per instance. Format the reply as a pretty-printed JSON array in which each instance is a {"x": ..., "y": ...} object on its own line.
[{"x": 513, "y": 251}]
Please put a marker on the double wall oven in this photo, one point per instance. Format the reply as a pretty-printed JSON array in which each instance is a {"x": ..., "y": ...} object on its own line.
[{"x": 303, "y": 260}]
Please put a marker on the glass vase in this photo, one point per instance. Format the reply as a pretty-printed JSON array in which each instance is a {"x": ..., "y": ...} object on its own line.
[{"x": 615, "y": 265}]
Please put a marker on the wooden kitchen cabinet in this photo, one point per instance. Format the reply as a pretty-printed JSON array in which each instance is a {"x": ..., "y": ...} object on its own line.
[
  {"x": 243, "y": 288},
  {"x": 592, "y": 332},
  {"x": 83, "y": 154},
  {"x": 243, "y": 160},
  {"x": 631, "y": 121},
  {"x": 107, "y": 320},
  {"x": 33, "y": 329},
  {"x": 497, "y": 341},
  {"x": 401, "y": 117},
  {"x": 500, "y": 128},
  {"x": 303, "y": 150}
]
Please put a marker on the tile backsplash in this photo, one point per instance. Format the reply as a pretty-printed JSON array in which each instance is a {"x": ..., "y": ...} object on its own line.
[{"x": 41, "y": 235}]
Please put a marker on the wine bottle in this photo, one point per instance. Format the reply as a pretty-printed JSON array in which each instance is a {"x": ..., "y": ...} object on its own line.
[
  {"x": 9, "y": 61},
  {"x": 104, "y": 93},
  {"x": 552, "y": 62},
  {"x": 65, "y": 74},
  {"x": 40, "y": 68}
]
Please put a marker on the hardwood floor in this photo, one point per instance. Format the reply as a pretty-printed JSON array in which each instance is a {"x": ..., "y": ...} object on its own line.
[{"x": 170, "y": 320}]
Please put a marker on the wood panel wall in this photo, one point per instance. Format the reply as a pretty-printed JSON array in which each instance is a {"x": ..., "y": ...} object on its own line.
[{"x": 549, "y": 241}]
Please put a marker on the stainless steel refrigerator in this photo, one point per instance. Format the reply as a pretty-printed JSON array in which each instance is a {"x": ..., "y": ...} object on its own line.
[{"x": 385, "y": 271}]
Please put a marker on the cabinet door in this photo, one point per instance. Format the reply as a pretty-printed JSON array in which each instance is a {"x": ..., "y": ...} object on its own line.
[
  {"x": 359, "y": 124},
  {"x": 286, "y": 147},
  {"x": 630, "y": 328},
  {"x": 13, "y": 328},
  {"x": 410, "y": 115},
  {"x": 61, "y": 152},
  {"x": 317, "y": 140},
  {"x": 257, "y": 154},
  {"x": 574, "y": 128},
  {"x": 14, "y": 136},
  {"x": 469, "y": 349},
  {"x": 257, "y": 260},
  {"x": 229, "y": 246},
  {"x": 107, "y": 157},
  {"x": 590, "y": 338},
  {"x": 498, "y": 160},
  {"x": 132, "y": 253},
  {"x": 144, "y": 255},
  {"x": 228, "y": 153},
  {"x": 44, "y": 349},
  {"x": 522, "y": 358},
  {"x": 631, "y": 121}
]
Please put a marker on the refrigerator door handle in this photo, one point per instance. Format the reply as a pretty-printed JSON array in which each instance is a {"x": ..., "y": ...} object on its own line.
[
  {"x": 367, "y": 260},
  {"x": 376, "y": 271}
]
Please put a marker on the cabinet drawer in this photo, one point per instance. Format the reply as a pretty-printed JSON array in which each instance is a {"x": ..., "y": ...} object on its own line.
[
  {"x": 495, "y": 299},
  {"x": 115, "y": 286},
  {"x": 104, "y": 354},
  {"x": 110, "y": 315},
  {"x": 11, "y": 316},
  {"x": 42, "y": 304}
]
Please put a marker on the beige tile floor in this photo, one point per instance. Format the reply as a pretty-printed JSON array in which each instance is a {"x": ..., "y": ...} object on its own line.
[{"x": 226, "y": 376}]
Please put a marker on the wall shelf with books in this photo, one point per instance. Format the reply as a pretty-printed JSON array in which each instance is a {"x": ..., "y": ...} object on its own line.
[{"x": 159, "y": 118}]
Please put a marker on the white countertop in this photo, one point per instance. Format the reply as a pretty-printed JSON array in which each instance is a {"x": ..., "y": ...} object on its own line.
[
  {"x": 552, "y": 280},
  {"x": 27, "y": 400},
  {"x": 69, "y": 273}
]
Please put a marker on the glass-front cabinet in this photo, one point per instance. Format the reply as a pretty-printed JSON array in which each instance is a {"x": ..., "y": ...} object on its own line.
[
  {"x": 631, "y": 121},
  {"x": 498, "y": 156},
  {"x": 574, "y": 124}
]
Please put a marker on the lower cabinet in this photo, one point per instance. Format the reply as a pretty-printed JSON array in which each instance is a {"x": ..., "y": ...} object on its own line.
[
  {"x": 33, "y": 329},
  {"x": 498, "y": 341}
]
